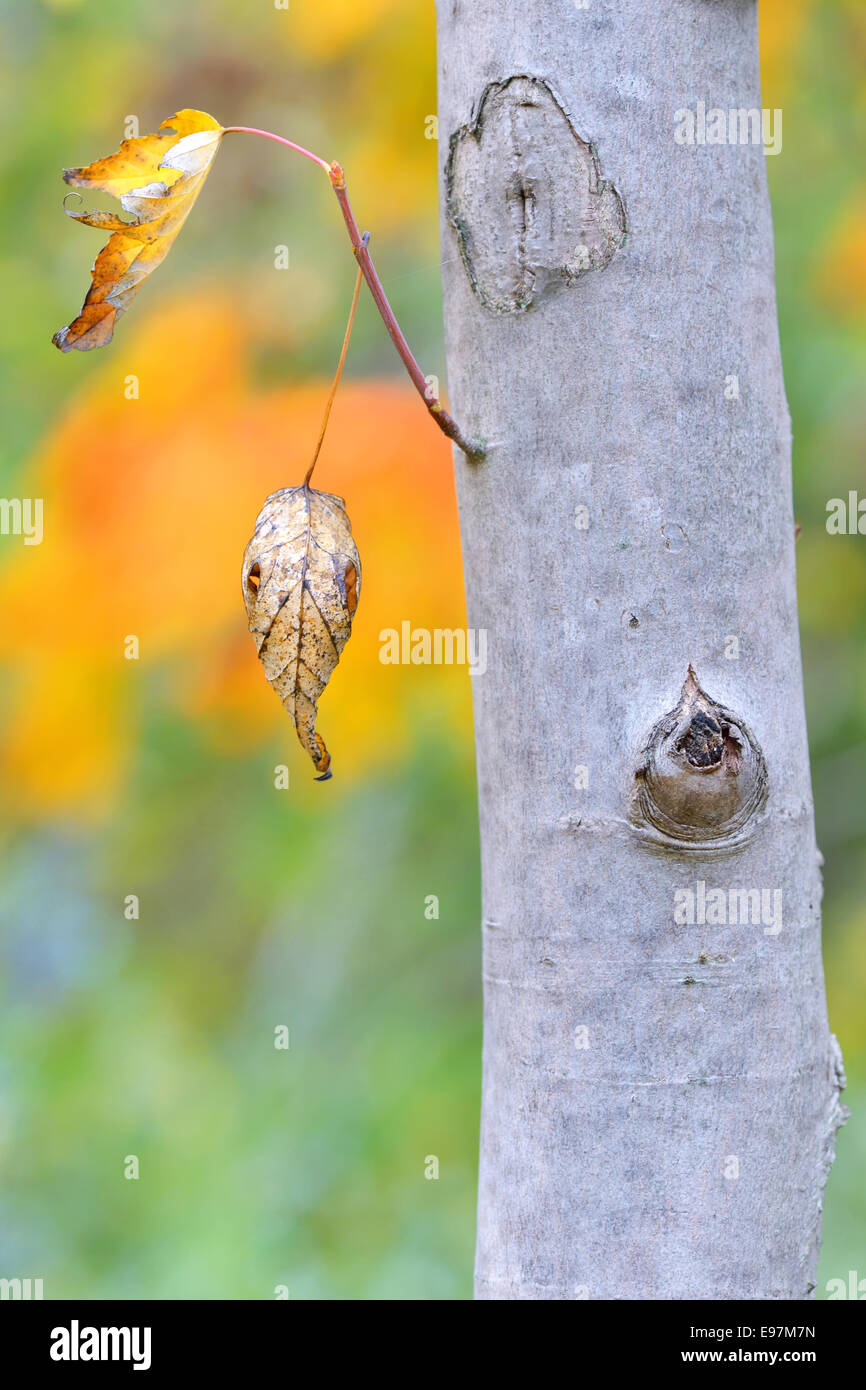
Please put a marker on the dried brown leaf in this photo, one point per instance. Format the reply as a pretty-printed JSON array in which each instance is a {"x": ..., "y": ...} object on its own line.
[{"x": 301, "y": 581}]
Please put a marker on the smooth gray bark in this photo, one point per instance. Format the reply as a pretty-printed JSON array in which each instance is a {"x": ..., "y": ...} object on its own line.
[{"x": 660, "y": 1099}]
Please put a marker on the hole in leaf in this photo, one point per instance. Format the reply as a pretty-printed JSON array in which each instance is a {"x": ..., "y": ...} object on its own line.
[
  {"x": 254, "y": 578},
  {"x": 350, "y": 579}
]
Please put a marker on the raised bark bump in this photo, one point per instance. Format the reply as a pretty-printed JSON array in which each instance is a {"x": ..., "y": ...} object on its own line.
[{"x": 526, "y": 197}]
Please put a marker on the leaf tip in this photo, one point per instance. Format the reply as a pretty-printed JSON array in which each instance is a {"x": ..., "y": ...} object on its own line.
[{"x": 322, "y": 763}]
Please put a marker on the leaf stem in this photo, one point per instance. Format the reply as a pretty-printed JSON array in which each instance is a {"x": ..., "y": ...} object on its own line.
[
  {"x": 447, "y": 424},
  {"x": 269, "y": 135},
  {"x": 339, "y": 371}
]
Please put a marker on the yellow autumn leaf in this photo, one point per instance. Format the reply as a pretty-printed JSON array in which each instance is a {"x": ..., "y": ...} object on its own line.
[
  {"x": 156, "y": 179},
  {"x": 301, "y": 581}
]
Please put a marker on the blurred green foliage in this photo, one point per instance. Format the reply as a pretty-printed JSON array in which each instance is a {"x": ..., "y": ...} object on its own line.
[{"x": 816, "y": 186}]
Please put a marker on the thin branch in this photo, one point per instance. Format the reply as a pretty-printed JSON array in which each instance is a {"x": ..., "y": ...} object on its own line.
[{"x": 447, "y": 424}]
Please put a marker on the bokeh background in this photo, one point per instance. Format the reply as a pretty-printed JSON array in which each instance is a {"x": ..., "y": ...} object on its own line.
[{"x": 155, "y": 777}]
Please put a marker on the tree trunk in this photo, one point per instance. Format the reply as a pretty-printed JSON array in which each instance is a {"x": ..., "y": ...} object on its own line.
[{"x": 660, "y": 1088}]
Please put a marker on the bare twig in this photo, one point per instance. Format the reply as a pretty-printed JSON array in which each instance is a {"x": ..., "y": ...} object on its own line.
[{"x": 447, "y": 424}]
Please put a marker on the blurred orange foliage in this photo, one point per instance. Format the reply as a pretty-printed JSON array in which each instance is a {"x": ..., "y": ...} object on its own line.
[
  {"x": 841, "y": 282},
  {"x": 781, "y": 24},
  {"x": 379, "y": 60},
  {"x": 149, "y": 503}
]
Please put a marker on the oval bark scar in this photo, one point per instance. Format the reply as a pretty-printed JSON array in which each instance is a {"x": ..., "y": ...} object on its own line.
[
  {"x": 702, "y": 780},
  {"x": 525, "y": 196}
]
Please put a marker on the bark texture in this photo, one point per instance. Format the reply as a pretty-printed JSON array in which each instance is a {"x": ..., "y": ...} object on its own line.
[{"x": 660, "y": 1099}]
